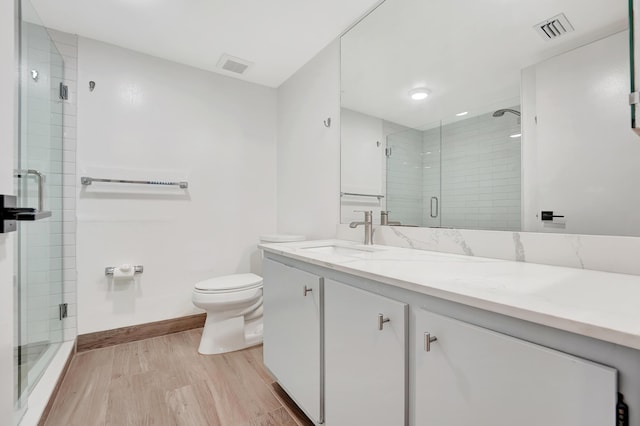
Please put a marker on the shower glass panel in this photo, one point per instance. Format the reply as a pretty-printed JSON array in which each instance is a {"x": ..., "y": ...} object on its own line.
[
  {"x": 38, "y": 177},
  {"x": 413, "y": 176}
]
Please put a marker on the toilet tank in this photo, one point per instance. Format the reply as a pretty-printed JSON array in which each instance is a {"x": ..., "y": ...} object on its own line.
[
  {"x": 256, "y": 263},
  {"x": 281, "y": 238}
]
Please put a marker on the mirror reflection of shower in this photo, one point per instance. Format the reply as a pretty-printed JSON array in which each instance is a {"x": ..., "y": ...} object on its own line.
[{"x": 500, "y": 112}]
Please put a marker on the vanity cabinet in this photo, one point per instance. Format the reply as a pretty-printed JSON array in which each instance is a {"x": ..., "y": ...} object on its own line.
[
  {"x": 292, "y": 333},
  {"x": 471, "y": 375},
  {"x": 365, "y": 357},
  {"x": 353, "y": 351}
]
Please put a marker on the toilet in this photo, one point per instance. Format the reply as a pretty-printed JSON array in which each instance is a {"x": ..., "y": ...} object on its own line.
[{"x": 234, "y": 307}]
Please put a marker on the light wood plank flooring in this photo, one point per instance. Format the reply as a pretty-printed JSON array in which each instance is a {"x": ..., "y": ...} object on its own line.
[{"x": 164, "y": 381}]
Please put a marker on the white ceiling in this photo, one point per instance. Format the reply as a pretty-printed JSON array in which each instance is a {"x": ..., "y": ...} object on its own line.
[
  {"x": 469, "y": 53},
  {"x": 278, "y": 36}
]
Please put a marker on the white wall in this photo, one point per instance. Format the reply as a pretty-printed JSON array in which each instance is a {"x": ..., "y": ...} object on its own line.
[
  {"x": 153, "y": 119},
  {"x": 582, "y": 161},
  {"x": 362, "y": 165},
  {"x": 362, "y": 153},
  {"x": 8, "y": 81},
  {"x": 308, "y": 152}
]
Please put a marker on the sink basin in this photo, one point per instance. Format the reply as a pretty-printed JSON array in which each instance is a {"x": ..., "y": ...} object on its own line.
[{"x": 333, "y": 249}]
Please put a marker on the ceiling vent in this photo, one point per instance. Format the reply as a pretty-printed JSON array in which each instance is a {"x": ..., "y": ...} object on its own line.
[
  {"x": 553, "y": 28},
  {"x": 233, "y": 64}
]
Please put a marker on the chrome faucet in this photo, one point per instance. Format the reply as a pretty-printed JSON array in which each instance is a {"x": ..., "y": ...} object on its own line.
[
  {"x": 368, "y": 226},
  {"x": 384, "y": 218}
]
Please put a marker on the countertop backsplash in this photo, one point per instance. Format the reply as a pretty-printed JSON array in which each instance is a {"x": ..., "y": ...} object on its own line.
[{"x": 594, "y": 252}]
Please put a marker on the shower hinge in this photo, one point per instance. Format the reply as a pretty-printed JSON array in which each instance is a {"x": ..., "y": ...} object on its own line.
[
  {"x": 387, "y": 152},
  {"x": 64, "y": 91},
  {"x": 63, "y": 310}
]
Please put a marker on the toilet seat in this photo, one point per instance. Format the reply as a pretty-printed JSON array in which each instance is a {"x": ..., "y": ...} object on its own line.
[
  {"x": 233, "y": 304},
  {"x": 229, "y": 284}
]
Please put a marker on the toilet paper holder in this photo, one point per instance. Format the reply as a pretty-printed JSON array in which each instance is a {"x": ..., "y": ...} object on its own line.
[{"x": 137, "y": 269}]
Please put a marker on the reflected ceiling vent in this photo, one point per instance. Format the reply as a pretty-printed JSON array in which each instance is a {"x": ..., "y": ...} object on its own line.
[
  {"x": 233, "y": 64},
  {"x": 553, "y": 28}
]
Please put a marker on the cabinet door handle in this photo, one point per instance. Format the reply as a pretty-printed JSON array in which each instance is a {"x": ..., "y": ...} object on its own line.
[
  {"x": 381, "y": 321},
  {"x": 307, "y": 290},
  {"x": 428, "y": 340}
]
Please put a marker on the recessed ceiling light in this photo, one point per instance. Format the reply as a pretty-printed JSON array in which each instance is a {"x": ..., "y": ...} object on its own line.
[
  {"x": 515, "y": 135},
  {"x": 419, "y": 93},
  {"x": 460, "y": 114}
]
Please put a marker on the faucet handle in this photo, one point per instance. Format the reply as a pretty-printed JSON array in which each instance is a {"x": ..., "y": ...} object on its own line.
[{"x": 384, "y": 217}]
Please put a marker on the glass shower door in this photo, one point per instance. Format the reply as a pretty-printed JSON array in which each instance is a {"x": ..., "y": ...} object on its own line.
[
  {"x": 413, "y": 176},
  {"x": 38, "y": 176}
]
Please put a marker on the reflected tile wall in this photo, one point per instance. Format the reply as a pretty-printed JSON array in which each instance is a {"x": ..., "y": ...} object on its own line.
[{"x": 67, "y": 45}]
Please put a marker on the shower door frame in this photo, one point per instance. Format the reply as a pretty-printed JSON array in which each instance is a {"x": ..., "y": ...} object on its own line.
[{"x": 38, "y": 264}]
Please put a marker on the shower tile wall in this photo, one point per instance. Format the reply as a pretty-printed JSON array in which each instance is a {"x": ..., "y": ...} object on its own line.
[
  {"x": 481, "y": 173},
  {"x": 67, "y": 45},
  {"x": 50, "y": 267},
  {"x": 404, "y": 173}
]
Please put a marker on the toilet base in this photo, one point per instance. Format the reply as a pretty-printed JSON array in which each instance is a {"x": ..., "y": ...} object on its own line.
[{"x": 233, "y": 334}]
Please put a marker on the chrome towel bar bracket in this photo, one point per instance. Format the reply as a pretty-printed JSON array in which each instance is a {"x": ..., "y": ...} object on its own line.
[{"x": 353, "y": 194}]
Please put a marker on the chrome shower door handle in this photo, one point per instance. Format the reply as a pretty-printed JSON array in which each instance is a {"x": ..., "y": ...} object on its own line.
[
  {"x": 437, "y": 207},
  {"x": 10, "y": 212},
  {"x": 381, "y": 321},
  {"x": 40, "y": 177}
]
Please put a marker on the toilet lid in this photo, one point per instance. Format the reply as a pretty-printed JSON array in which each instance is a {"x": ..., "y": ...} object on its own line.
[{"x": 230, "y": 282}]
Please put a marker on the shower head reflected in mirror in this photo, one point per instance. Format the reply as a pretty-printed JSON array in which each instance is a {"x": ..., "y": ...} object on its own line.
[{"x": 500, "y": 112}]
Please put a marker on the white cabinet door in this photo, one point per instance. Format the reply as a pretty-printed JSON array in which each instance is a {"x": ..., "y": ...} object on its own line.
[
  {"x": 365, "y": 367},
  {"x": 292, "y": 334},
  {"x": 474, "y": 376}
]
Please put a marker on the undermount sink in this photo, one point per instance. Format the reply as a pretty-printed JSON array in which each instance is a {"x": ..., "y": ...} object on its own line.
[{"x": 339, "y": 250}]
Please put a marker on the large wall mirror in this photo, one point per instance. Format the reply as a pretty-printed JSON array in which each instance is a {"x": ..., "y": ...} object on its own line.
[{"x": 485, "y": 114}]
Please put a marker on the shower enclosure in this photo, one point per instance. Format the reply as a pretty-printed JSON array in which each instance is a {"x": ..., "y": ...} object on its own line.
[
  {"x": 38, "y": 184},
  {"x": 461, "y": 174}
]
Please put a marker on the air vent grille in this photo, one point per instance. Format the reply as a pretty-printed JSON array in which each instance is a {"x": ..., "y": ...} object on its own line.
[
  {"x": 555, "y": 27},
  {"x": 233, "y": 64}
]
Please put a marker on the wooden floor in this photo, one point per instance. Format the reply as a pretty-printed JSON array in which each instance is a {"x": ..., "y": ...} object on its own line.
[{"x": 164, "y": 381}]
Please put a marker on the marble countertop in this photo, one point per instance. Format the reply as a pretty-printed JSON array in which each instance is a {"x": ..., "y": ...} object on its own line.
[{"x": 602, "y": 305}]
